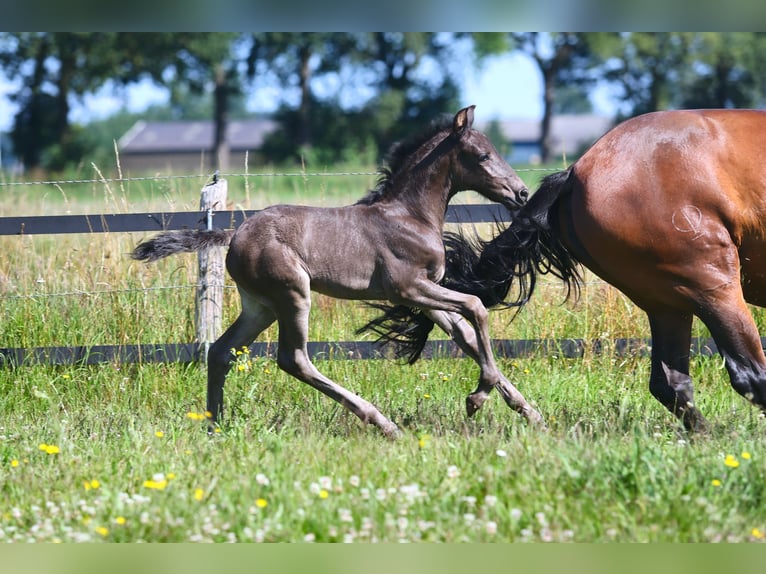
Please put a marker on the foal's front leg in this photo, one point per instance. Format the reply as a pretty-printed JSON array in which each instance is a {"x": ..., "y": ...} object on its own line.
[
  {"x": 465, "y": 338},
  {"x": 446, "y": 306}
]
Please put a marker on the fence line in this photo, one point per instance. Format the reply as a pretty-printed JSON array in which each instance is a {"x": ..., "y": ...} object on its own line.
[
  {"x": 348, "y": 350},
  {"x": 222, "y": 175},
  {"x": 207, "y": 325},
  {"x": 166, "y": 221}
]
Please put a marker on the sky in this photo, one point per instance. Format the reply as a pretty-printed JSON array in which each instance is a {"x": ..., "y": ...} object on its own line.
[{"x": 504, "y": 87}]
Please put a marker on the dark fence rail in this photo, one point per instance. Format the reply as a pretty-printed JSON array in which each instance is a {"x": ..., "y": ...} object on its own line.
[
  {"x": 164, "y": 221},
  {"x": 189, "y": 352}
]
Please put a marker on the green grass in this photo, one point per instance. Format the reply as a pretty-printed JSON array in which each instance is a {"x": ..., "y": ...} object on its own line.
[{"x": 131, "y": 464}]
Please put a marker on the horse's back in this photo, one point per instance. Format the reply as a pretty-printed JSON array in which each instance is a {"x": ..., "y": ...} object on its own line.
[{"x": 664, "y": 192}]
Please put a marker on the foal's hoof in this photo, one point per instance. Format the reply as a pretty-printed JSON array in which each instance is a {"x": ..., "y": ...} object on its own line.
[
  {"x": 534, "y": 418},
  {"x": 391, "y": 431},
  {"x": 473, "y": 403}
]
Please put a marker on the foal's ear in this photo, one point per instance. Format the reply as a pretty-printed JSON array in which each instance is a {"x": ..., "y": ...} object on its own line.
[{"x": 463, "y": 121}]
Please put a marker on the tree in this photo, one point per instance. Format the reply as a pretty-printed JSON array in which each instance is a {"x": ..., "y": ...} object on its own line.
[
  {"x": 563, "y": 59},
  {"x": 52, "y": 67},
  {"x": 645, "y": 66},
  {"x": 195, "y": 62},
  {"x": 566, "y": 63},
  {"x": 727, "y": 71}
]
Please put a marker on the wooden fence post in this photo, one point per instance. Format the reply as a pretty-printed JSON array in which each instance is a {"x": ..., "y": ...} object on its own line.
[{"x": 209, "y": 307}]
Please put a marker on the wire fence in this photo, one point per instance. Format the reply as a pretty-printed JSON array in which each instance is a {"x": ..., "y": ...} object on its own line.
[
  {"x": 190, "y": 352},
  {"x": 210, "y": 176}
]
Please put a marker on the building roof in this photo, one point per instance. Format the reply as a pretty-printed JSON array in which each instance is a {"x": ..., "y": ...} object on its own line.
[
  {"x": 569, "y": 132},
  {"x": 193, "y": 136}
]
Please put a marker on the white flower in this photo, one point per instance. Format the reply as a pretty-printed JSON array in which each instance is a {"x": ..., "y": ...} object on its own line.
[
  {"x": 501, "y": 453},
  {"x": 354, "y": 480},
  {"x": 515, "y": 514},
  {"x": 491, "y": 527},
  {"x": 344, "y": 515},
  {"x": 262, "y": 479},
  {"x": 453, "y": 471},
  {"x": 490, "y": 500}
]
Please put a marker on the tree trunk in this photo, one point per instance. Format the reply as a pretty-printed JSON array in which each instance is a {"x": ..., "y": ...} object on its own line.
[
  {"x": 305, "y": 106},
  {"x": 545, "y": 124},
  {"x": 221, "y": 148}
]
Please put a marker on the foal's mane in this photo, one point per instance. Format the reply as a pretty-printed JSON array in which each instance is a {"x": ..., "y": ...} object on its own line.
[{"x": 398, "y": 156}]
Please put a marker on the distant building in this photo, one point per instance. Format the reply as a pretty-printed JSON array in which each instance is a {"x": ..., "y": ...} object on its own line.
[
  {"x": 570, "y": 135},
  {"x": 183, "y": 146}
]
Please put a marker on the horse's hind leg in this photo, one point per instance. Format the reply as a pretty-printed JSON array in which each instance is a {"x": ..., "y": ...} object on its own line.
[
  {"x": 292, "y": 357},
  {"x": 669, "y": 381},
  {"x": 252, "y": 321},
  {"x": 464, "y": 336}
]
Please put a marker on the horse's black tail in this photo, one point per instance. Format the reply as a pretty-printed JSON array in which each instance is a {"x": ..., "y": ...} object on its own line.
[
  {"x": 185, "y": 241},
  {"x": 529, "y": 247}
]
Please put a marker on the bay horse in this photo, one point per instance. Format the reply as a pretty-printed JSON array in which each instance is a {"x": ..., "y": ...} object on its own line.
[
  {"x": 670, "y": 208},
  {"x": 386, "y": 246}
]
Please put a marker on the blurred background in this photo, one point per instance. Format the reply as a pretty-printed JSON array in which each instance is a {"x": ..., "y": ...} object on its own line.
[{"x": 180, "y": 101}]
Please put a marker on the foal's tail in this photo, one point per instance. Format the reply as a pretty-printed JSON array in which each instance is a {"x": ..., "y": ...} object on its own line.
[
  {"x": 529, "y": 247},
  {"x": 185, "y": 241}
]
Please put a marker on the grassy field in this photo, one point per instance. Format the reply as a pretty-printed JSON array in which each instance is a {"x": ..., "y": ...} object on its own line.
[{"x": 118, "y": 453}]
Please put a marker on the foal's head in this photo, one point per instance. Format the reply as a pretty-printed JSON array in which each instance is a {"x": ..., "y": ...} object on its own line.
[
  {"x": 477, "y": 165},
  {"x": 473, "y": 163}
]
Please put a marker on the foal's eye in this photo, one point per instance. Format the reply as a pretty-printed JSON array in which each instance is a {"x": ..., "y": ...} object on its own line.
[{"x": 483, "y": 157}]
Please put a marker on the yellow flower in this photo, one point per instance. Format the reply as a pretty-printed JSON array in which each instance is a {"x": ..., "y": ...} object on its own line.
[
  {"x": 716, "y": 482},
  {"x": 159, "y": 434},
  {"x": 171, "y": 475},
  {"x": 745, "y": 455},
  {"x": 49, "y": 448},
  {"x": 423, "y": 440},
  {"x": 156, "y": 484},
  {"x": 240, "y": 367},
  {"x": 731, "y": 461},
  {"x": 91, "y": 484},
  {"x": 426, "y": 396},
  {"x": 196, "y": 416},
  {"x": 199, "y": 494},
  {"x": 757, "y": 533},
  {"x": 120, "y": 520},
  {"x": 103, "y": 531},
  {"x": 14, "y": 463},
  {"x": 261, "y": 502},
  {"x": 323, "y": 494}
]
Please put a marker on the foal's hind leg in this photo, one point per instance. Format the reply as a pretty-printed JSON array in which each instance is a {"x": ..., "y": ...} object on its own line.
[
  {"x": 252, "y": 321},
  {"x": 465, "y": 337},
  {"x": 669, "y": 381},
  {"x": 292, "y": 357}
]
